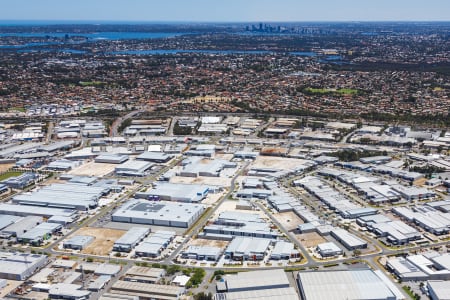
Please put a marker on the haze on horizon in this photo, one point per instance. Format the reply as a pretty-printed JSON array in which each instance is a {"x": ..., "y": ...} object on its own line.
[{"x": 225, "y": 10}]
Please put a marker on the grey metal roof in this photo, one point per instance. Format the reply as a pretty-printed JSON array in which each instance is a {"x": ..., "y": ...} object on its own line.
[
  {"x": 254, "y": 280},
  {"x": 80, "y": 240},
  {"x": 159, "y": 210},
  {"x": 132, "y": 235},
  {"x": 342, "y": 285},
  {"x": 26, "y": 210}
]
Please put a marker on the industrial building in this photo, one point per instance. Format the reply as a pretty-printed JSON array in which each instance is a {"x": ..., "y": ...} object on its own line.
[
  {"x": 198, "y": 166},
  {"x": 160, "y": 213},
  {"x": 153, "y": 245},
  {"x": 438, "y": 289},
  {"x": 21, "y": 181},
  {"x": 68, "y": 195},
  {"x": 154, "y": 157},
  {"x": 28, "y": 210},
  {"x": 362, "y": 284},
  {"x": 20, "y": 226},
  {"x": 20, "y": 266},
  {"x": 133, "y": 168},
  {"x": 230, "y": 224},
  {"x": 265, "y": 284},
  {"x": 176, "y": 192},
  {"x": 332, "y": 198},
  {"x": 67, "y": 291},
  {"x": 329, "y": 249},
  {"x": 130, "y": 239},
  {"x": 428, "y": 266},
  {"x": 111, "y": 158},
  {"x": 284, "y": 250},
  {"x": 144, "y": 274},
  {"x": 202, "y": 253},
  {"x": 39, "y": 233},
  {"x": 427, "y": 217},
  {"x": 78, "y": 242},
  {"x": 396, "y": 232},
  {"x": 63, "y": 165},
  {"x": 6, "y": 220},
  {"x": 350, "y": 241},
  {"x": 147, "y": 290},
  {"x": 247, "y": 248}
]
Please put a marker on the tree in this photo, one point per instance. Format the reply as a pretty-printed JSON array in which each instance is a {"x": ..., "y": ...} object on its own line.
[{"x": 203, "y": 296}]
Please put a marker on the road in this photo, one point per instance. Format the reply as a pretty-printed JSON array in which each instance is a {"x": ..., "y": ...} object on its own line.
[
  {"x": 204, "y": 218},
  {"x": 115, "y": 125}
]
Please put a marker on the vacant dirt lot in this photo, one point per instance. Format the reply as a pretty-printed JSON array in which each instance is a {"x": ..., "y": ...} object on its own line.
[
  {"x": 289, "y": 220},
  {"x": 104, "y": 239},
  {"x": 211, "y": 243},
  {"x": 93, "y": 169},
  {"x": 219, "y": 181},
  {"x": 282, "y": 163},
  {"x": 5, "y": 167},
  {"x": 311, "y": 239}
]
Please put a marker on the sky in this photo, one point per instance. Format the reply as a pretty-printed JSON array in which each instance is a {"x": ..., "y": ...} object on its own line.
[{"x": 226, "y": 10}]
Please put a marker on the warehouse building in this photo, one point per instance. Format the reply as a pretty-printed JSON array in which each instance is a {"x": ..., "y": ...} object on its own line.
[
  {"x": 254, "y": 193},
  {"x": 331, "y": 197},
  {"x": 247, "y": 248},
  {"x": 63, "y": 165},
  {"x": 427, "y": 217},
  {"x": 413, "y": 193},
  {"x": 159, "y": 213},
  {"x": 230, "y": 224},
  {"x": 147, "y": 290},
  {"x": 3, "y": 188},
  {"x": 68, "y": 195},
  {"x": 67, "y": 291},
  {"x": 438, "y": 289},
  {"x": 265, "y": 284},
  {"x": 359, "y": 284},
  {"x": 21, "y": 181},
  {"x": 198, "y": 166},
  {"x": 27, "y": 210},
  {"x": 39, "y": 233},
  {"x": 154, "y": 157},
  {"x": 21, "y": 226},
  {"x": 246, "y": 154},
  {"x": 20, "y": 266},
  {"x": 144, "y": 274},
  {"x": 284, "y": 250},
  {"x": 133, "y": 168},
  {"x": 130, "y": 239},
  {"x": 350, "y": 241},
  {"x": 431, "y": 265},
  {"x": 6, "y": 220},
  {"x": 329, "y": 249},
  {"x": 153, "y": 245},
  {"x": 202, "y": 253},
  {"x": 111, "y": 158},
  {"x": 78, "y": 242},
  {"x": 191, "y": 193}
]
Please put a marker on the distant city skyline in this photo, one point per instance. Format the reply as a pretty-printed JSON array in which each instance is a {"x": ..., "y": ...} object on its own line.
[{"x": 225, "y": 11}]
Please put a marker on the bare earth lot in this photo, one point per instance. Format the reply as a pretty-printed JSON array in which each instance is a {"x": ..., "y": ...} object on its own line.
[
  {"x": 104, "y": 239},
  {"x": 93, "y": 169},
  {"x": 5, "y": 167},
  {"x": 311, "y": 239},
  {"x": 289, "y": 220},
  {"x": 211, "y": 243}
]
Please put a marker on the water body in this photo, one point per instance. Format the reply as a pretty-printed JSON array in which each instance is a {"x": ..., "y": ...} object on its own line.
[
  {"x": 72, "y": 51},
  {"x": 97, "y": 35}
]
